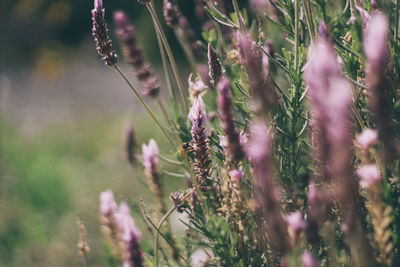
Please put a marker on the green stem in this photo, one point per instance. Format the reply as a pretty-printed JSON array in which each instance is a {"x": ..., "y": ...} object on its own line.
[
  {"x": 396, "y": 27},
  {"x": 146, "y": 107},
  {"x": 236, "y": 8},
  {"x": 169, "y": 53},
  {"x": 165, "y": 67},
  {"x": 156, "y": 237},
  {"x": 296, "y": 34}
]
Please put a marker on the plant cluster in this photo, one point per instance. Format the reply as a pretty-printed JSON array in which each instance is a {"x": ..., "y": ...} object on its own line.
[{"x": 287, "y": 134}]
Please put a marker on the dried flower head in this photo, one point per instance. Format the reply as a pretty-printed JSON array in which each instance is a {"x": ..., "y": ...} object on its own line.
[
  {"x": 214, "y": 66},
  {"x": 100, "y": 35}
]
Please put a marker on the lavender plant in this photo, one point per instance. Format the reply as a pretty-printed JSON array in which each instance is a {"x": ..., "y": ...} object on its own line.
[{"x": 302, "y": 165}]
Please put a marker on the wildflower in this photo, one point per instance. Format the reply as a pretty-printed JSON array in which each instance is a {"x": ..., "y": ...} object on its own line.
[
  {"x": 234, "y": 150},
  {"x": 308, "y": 259},
  {"x": 177, "y": 21},
  {"x": 251, "y": 59},
  {"x": 151, "y": 164},
  {"x": 107, "y": 203},
  {"x": 369, "y": 175},
  {"x": 197, "y": 115},
  {"x": 375, "y": 42},
  {"x": 364, "y": 15},
  {"x": 197, "y": 86},
  {"x": 295, "y": 222},
  {"x": 100, "y": 35},
  {"x": 259, "y": 150},
  {"x": 129, "y": 144},
  {"x": 376, "y": 52},
  {"x": 259, "y": 145},
  {"x": 171, "y": 13},
  {"x": 367, "y": 138},
  {"x": 134, "y": 55},
  {"x": 236, "y": 175},
  {"x": 214, "y": 66},
  {"x": 150, "y": 156},
  {"x": 130, "y": 235},
  {"x": 323, "y": 30},
  {"x": 200, "y": 141}
]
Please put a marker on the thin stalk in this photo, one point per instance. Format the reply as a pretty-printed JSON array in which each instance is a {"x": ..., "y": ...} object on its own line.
[
  {"x": 186, "y": 47},
  {"x": 171, "y": 124},
  {"x": 296, "y": 34},
  {"x": 156, "y": 237},
  {"x": 352, "y": 8},
  {"x": 396, "y": 21},
  {"x": 236, "y": 8},
  {"x": 310, "y": 24},
  {"x": 169, "y": 53},
  {"x": 158, "y": 231},
  {"x": 86, "y": 260},
  {"x": 165, "y": 68},
  {"x": 146, "y": 107}
]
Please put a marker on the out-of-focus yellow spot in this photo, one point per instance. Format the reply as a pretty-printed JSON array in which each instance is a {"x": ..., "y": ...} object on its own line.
[
  {"x": 58, "y": 13},
  {"x": 27, "y": 8},
  {"x": 49, "y": 65}
]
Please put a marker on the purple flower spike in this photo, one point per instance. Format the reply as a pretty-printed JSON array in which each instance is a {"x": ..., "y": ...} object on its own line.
[
  {"x": 234, "y": 151},
  {"x": 375, "y": 42},
  {"x": 126, "y": 34},
  {"x": 251, "y": 59},
  {"x": 100, "y": 35},
  {"x": 197, "y": 114},
  {"x": 125, "y": 222},
  {"x": 200, "y": 143},
  {"x": 107, "y": 203},
  {"x": 130, "y": 235}
]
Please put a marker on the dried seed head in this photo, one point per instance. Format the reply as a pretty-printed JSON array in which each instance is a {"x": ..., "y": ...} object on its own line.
[
  {"x": 214, "y": 66},
  {"x": 171, "y": 13},
  {"x": 100, "y": 35}
]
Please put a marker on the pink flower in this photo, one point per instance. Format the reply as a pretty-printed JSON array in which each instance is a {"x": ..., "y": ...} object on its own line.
[
  {"x": 364, "y": 15},
  {"x": 126, "y": 223},
  {"x": 375, "y": 46},
  {"x": 236, "y": 175},
  {"x": 223, "y": 141},
  {"x": 367, "y": 138},
  {"x": 107, "y": 203},
  {"x": 259, "y": 145},
  {"x": 197, "y": 114},
  {"x": 369, "y": 175},
  {"x": 296, "y": 222},
  {"x": 150, "y": 155},
  {"x": 243, "y": 138},
  {"x": 308, "y": 260},
  {"x": 197, "y": 85}
]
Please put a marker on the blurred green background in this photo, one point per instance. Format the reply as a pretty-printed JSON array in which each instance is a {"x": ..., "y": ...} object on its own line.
[{"x": 62, "y": 118}]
